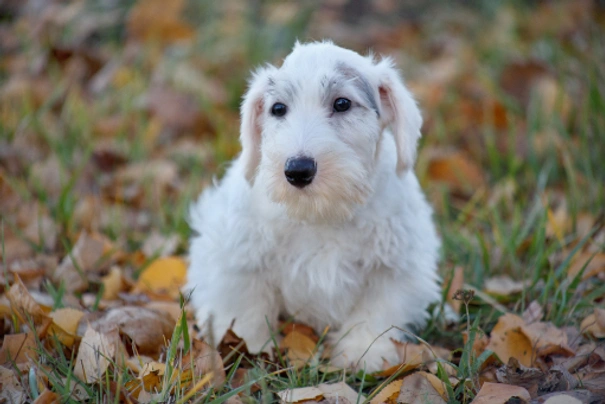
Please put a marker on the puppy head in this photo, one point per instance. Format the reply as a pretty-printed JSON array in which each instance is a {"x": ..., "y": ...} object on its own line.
[{"x": 311, "y": 129}]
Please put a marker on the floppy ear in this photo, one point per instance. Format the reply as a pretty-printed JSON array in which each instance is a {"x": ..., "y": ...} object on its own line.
[
  {"x": 400, "y": 113},
  {"x": 251, "y": 115}
]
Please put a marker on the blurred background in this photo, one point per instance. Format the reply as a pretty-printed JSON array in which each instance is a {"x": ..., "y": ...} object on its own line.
[{"x": 114, "y": 115}]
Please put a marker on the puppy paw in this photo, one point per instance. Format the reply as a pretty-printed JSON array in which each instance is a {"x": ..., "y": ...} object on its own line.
[{"x": 361, "y": 351}]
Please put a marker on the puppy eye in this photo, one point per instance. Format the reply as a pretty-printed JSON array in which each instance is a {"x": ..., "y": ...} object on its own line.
[
  {"x": 279, "y": 109},
  {"x": 342, "y": 104}
]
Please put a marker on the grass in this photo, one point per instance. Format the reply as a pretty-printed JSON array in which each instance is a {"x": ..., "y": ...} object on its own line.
[{"x": 549, "y": 154}]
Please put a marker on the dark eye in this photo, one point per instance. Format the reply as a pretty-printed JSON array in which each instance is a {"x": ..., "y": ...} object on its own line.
[
  {"x": 279, "y": 109},
  {"x": 342, "y": 104}
]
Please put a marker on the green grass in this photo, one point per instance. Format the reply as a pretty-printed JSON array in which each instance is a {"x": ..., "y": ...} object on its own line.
[{"x": 484, "y": 234}]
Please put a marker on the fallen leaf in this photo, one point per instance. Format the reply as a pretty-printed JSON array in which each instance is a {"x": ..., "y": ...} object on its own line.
[
  {"x": 205, "y": 360},
  {"x": 148, "y": 329},
  {"x": 112, "y": 283},
  {"x": 546, "y": 339},
  {"x": 94, "y": 356},
  {"x": 498, "y": 393},
  {"x": 301, "y": 328},
  {"x": 593, "y": 264},
  {"x": 65, "y": 325},
  {"x": 157, "y": 20},
  {"x": 388, "y": 394},
  {"x": 18, "y": 348},
  {"x": 594, "y": 323},
  {"x": 507, "y": 340},
  {"x": 503, "y": 285},
  {"x": 533, "y": 312},
  {"x": 340, "y": 391},
  {"x": 159, "y": 245},
  {"x": 24, "y": 305},
  {"x": 456, "y": 170},
  {"x": 163, "y": 276},
  {"x": 11, "y": 391},
  {"x": 47, "y": 397},
  {"x": 417, "y": 389},
  {"x": 300, "y": 394},
  {"x": 300, "y": 348},
  {"x": 84, "y": 257}
]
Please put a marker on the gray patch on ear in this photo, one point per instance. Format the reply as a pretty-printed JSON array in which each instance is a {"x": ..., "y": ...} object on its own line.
[{"x": 361, "y": 83}]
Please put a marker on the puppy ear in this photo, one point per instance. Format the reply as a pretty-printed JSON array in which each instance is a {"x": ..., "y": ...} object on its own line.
[
  {"x": 251, "y": 115},
  {"x": 400, "y": 113}
]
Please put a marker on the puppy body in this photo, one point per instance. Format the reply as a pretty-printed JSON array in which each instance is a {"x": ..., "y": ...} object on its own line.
[{"x": 356, "y": 250}]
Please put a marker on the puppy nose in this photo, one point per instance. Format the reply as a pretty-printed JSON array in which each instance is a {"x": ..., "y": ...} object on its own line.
[{"x": 300, "y": 171}]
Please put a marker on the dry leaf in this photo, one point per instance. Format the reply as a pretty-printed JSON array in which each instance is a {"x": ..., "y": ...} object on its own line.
[
  {"x": 546, "y": 339},
  {"x": 300, "y": 394},
  {"x": 206, "y": 359},
  {"x": 84, "y": 257},
  {"x": 503, "y": 285},
  {"x": 417, "y": 389},
  {"x": 455, "y": 169},
  {"x": 497, "y": 393},
  {"x": 65, "y": 325},
  {"x": 388, "y": 394},
  {"x": 157, "y": 20},
  {"x": 533, "y": 312},
  {"x": 11, "y": 391},
  {"x": 300, "y": 348},
  {"x": 47, "y": 397},
  {"x": 18, "y": 348},
  {"x": 594, "y": 323},
  {"x": 163, "y": 276},
  {"x": 160, "y": 245},
  {"x": 112, "y": 283},
  {"x": 593, "y": 265},
  {"x": 148, "y": 329},
  {"x": 24, "y": 305},
  {"x": 340, "y": 391},
  {"x": 94, "y": 356},
  {"x": 507, "y": 340},
  {"x": 171, "y": 308}
]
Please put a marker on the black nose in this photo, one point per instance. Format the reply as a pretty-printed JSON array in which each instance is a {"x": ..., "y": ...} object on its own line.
[{"x": 300, "y": 171}]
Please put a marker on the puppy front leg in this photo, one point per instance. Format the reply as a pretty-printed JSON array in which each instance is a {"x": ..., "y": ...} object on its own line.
[
  {"x": 243, "y": 300},
  {"x": 387, "y": 304}
]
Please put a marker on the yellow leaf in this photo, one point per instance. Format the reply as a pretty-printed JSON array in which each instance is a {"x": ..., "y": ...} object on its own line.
[
  {"x": 507, "y": 340},
  {"x": 300, "y": 348},
  {"x": 389, "y": 394},
  {"x": 163, "y": 276},
  {"x": 65, "y": 325},
  {"x": 112, "y": 283}
]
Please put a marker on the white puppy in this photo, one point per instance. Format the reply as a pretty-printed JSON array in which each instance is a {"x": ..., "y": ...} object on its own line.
[{"x": 321, "y": 217}]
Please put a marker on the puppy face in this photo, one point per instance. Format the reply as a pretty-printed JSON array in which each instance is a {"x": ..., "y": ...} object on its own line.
[{"x": 311, "y": 129}]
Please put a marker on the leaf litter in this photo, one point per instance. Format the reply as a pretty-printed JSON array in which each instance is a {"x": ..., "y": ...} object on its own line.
[{"x": 93, "y": 267}]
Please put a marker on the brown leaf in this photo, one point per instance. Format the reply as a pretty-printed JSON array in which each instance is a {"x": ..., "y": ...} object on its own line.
[
  {"x": 84, "y": 257},
  {"x": 593, "y": 264},
  {"x": 205, "y": 360},
  {"x": 546, "y": 339},
  {"x": 113, "y": 283},
  {"x": 159, "y": 245},
  {"x": 11, "y": 391},
  {"x": 300, "y": 348},
  {"x": 417, "y": 389},
  {"x": 18, "y": 348},
  {"x": 340, "y": 391},
  {"x": 497, "y": 393},
  {"x": 456, "y": 170},
  {"x": 160, "y": 21},
  {"x": 388, "y": 394},
  {"x": 533, "y": 312},
  {"x": 163, "y": 276},
  {"x": 148, "y": 329},
  {"x": 94, "y": 356},
  {"x": 594, "y": 323},
  {"x": 24, "y": 305},
  {"x": 507, "y": 340},
  {"x": 48, "y": 397},
  {"x": 301, "y": 328}
]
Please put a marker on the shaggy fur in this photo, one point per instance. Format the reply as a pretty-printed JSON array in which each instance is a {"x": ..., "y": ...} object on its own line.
[{"x": 356, "y": 250}]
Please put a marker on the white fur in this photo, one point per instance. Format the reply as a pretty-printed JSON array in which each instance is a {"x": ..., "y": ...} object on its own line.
[{"x": 356, "y": 250}]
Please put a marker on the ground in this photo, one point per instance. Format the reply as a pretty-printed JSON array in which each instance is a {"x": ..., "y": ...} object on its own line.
[{"x": 114, "y": 116}]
